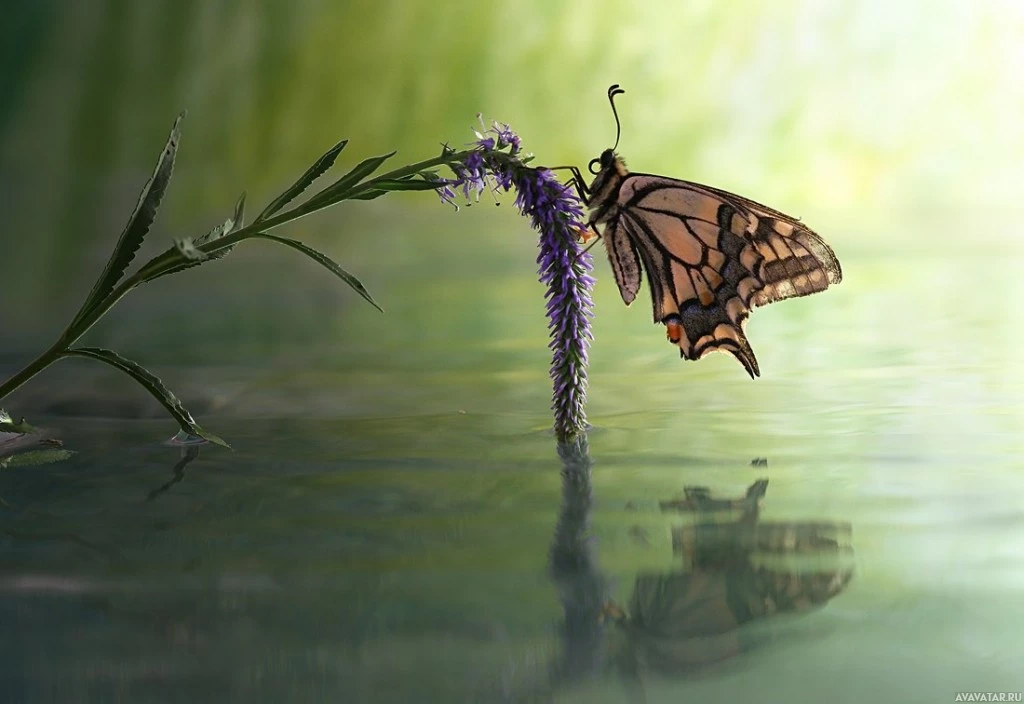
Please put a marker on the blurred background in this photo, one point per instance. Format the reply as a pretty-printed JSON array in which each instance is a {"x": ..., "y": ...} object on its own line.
[
  {"x": 397, "y": 471},
  {"x": 889, "y": 127}
]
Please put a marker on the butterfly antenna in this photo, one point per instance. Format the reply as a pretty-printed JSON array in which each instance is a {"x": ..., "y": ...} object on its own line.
[{"x": 612, "y": 92}]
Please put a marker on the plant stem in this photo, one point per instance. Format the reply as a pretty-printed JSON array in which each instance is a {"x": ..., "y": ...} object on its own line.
[
  {"x": 39, "y": 364},
  {"x": 172, "y": 258},
  {"x": 315, "y": 203}
]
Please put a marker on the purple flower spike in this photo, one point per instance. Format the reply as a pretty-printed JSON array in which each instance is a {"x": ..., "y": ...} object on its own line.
[{"x": 557, "y": 214}]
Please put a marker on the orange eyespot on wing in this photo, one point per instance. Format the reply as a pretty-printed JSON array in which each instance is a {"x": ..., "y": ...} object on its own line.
[{"x": 673, "y": 331}]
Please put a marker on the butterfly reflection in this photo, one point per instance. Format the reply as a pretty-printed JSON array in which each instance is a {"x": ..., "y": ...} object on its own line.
[{"x": 734, "y": 572}]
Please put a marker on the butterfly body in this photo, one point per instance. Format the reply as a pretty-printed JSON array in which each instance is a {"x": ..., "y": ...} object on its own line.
[{"x": 710, "y": 256}]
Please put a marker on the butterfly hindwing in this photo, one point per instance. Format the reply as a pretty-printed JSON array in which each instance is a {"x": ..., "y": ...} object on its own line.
[{"x": 625, "y": 263}]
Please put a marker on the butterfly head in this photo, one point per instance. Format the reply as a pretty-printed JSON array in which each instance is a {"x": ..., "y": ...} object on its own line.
[
  {"x": 605, "y": 161},
  {"x": 609, "y": 168}
]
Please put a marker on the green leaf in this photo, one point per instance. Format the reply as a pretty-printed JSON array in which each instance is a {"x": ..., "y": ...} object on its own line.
[
  {"x": 138, "y": 224},
  {"x": 323, "y": 260},
  {"x": 188, "y": 250},
  {"x": 239, "y": 217},
  {"x": 217, "y": 232},
  {"x": 34, "y": 458},
  {"x": 368, "y": 195},
  {"x": 312, "y": 174},
  {"x": 409, "y": 184},
  {"x": 151, "y": 383},
  {"x": 235, "y": 222},
  {"x": 338, "y": 190}
]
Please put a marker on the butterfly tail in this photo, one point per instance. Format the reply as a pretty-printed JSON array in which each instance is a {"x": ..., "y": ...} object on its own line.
[
  {"x": 744, "y": 354},
  {"x": 726, "y": 337}
]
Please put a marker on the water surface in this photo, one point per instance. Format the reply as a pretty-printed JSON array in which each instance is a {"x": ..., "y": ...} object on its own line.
[{"x": 393, "y": 524}]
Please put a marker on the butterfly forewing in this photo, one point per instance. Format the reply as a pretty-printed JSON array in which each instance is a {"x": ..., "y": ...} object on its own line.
[{"x": 710, "y": 256}]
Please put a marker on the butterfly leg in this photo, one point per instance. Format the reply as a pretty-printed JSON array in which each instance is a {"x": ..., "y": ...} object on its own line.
[
  {"x": 583, "y": 193},
  {"x": 577, "y": 182}
]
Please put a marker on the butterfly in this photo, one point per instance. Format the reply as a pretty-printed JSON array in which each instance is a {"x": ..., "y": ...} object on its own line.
[{"x": 710, "y": 256}]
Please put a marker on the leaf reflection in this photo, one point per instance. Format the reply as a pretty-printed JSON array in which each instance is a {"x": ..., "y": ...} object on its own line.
[{"x": 188, "y": 453}]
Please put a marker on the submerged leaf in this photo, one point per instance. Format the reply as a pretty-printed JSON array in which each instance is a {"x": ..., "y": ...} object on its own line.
[
  {"x": 312, "y": 174},
  {"x": 34, "y": 458},
  {"x": 138, "y": 224},
  {"x": 152, "y": 384},
  {"x": 325, "y": 261}
]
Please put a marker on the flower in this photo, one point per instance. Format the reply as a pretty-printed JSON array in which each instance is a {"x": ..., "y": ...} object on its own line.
[{"x": 557, "y": 214}]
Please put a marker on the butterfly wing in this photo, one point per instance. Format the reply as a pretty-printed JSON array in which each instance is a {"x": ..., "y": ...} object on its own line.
[
  {"x": 625, "y": 262},
  {"x": 711, "y": 256}
]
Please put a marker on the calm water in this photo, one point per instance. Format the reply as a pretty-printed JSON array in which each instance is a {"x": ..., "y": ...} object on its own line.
[{"x": 394, "y": 526}]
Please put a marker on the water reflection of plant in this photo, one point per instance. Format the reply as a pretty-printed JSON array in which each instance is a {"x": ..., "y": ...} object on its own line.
[{"x": 188, "y": 454}]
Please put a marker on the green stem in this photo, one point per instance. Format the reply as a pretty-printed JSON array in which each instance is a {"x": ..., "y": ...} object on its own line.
[
  {"x": 39, "y": 364},
  {"x": 318, "y": 203}
]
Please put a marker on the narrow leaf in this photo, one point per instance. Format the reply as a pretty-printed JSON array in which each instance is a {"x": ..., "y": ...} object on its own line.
[
  {"x": 404, "y": 185},
  {"x": 312, "y": 174},
  {"x": 378, "y": 187},
  {"x": 151, "y": 383},
  {"x": 325, "y": 261},
  {"x": 226, "y": 227},
  {"x": 188, "y": 250},
  {"x": 217, "y": 232},
  {"x": 337, "y": 191},
  {"x": 239, "y": 217},
  {"x": 368, "y": 195},
  {"x": 138, "y": 224},
  {"x": 237, "y": 222}
]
